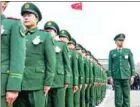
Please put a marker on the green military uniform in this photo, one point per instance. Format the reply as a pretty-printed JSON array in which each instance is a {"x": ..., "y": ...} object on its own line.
[
  {"x": 92, "y": 74},
  {"x": 88, "y": 71},
  {"x": 13, "y": 56},
  {"x": 121, "y": 68},
  {"x": 40, "y": 64},
  {"x": 96, "y": 82},
  {"x": 81, "y": 77},
  {"x": 62, "y": 75},
  {"x": 82, "y": 93},
  {"x": 75, "y": 75}
]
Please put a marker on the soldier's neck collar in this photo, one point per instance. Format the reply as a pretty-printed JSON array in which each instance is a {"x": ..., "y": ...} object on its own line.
[
  {"x": 3, "y": 16},
  {"x": 31, "y": 30},
  {"x": 118, "y": 48}
]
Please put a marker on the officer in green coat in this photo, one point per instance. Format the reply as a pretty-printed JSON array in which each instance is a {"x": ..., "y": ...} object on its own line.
[
  {"x": 62, "y": 75},
  {"x": 40, "y": 60},
  {"x": 82, "y": 93},
  {"x": 86, "y": 66},
  {"x": 77, "y": 97},
  {"x": 12, "y": 57},
  {"x": 92, "y": 75},
  {"x": 75, "y": 74},
  {"x": 121, "y": 71}
]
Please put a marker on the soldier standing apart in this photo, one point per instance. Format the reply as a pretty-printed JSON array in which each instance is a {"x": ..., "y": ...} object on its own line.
[
  {"x": 12, "y": 59},
  {"x": 62, "y": 75},
  {"x": 121, "y": 71},
  {"x": 40, "y": 60}
]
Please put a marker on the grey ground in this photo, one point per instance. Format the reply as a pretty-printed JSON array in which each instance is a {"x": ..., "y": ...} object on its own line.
[{"x": 109, "y": 100}]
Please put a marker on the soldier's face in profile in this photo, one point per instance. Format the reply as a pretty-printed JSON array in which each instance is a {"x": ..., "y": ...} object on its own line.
[
  {"x": 79, "y": 51},
  {"x": 119, "y": 43},
  {"x": 71, "y": 46},
  {"x": 30, "y": 20},
  {"x": 83, "y": 54},
  {"x": 53, "y": 32},
  {"x": 3, "y": 5},
  {"x": 64, "y": 39}
]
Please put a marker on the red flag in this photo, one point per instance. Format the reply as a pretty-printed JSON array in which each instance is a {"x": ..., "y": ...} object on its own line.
[{"x": 77, "y": 6}]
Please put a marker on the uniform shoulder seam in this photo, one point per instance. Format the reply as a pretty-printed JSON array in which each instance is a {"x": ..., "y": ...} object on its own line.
[{"x": 13, "y": 18}]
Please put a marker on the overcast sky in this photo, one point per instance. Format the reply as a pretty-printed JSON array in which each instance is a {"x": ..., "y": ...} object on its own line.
[{"x": 95, "y": 26}]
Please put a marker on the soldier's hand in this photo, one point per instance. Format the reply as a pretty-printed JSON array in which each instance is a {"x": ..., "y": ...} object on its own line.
[
  {"x": 90, "y": 85},
  {"x": 75, "y": 88},
  {"x": 66, "y": 86},
  {"x": 111, "y": 81},
  {"x": 132, "y": 80},
  {"x": 46, "y": 90},
  {"x": 85, "y": 86},
  {"x": 11, "y": 97},
  {"x": 80, "y": 86}
]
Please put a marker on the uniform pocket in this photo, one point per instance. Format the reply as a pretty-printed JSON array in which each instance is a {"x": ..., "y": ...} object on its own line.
[
  {"x": 60, "y": 70},
  {"x": 39, "y": 70}
]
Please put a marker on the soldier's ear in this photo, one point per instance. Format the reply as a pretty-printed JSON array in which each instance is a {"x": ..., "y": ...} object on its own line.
[{"x": 37, "y": 20}]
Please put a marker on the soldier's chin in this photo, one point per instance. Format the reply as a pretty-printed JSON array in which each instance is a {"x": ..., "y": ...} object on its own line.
[{"x": 27, "y": 25}]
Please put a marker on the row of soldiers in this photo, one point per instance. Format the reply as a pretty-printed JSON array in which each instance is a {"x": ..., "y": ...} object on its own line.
[{"x": 40, "y": 71}]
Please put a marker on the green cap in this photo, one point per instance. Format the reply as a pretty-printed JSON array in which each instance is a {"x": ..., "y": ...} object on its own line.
[
  {"x": 120, "y": 36},
  {"x": 88, "y": 53},
  {"x": 84, "y": 50},
  {"x": 65, "y": 33},
  {"x": 78, "y": 47},
  {"x": 52, "y": 25},
  {"x": 72, "y": 41},
  {"x": 31, "y": 8}
]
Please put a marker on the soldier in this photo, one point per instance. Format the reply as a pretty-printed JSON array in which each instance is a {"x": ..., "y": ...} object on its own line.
[
  {"x": 62, "y": 76},
  {"x": 81, "y": 76},
  {"x": 121, "y": 71},
  {"x": 75, "y": 74},
  {"x": 82, "y": 93},
  {"x": 12, "y": 59},
  {"x": 40, "y": 60},
  {"x": 88, "y": 75},
  {"x": 92, "y": 75}
]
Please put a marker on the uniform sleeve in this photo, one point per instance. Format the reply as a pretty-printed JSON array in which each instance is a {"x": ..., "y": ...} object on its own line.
[
  {"x": 17, "y": 58},
  {"x": 110, "y": 65},
  {"x": 93, "y": 70},
  {"x": 87, "y": 71},
  {"x": 81, "y": 70},
  {"x": 67, "y": 67},
  {"x": 131, "y": 62},
  {"x": 75, "y": 69},
  {"x": 50, "y": 60},
  {"x": 90, "y": 73}
]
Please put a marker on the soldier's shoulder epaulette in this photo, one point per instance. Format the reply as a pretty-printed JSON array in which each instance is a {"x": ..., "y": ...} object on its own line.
[{"x": 13, "y": 18}]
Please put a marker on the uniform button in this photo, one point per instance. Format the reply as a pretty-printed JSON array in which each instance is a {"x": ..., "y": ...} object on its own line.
[
  {"x": 24, "y": 66},
  {"x": 26, "y": 40}
]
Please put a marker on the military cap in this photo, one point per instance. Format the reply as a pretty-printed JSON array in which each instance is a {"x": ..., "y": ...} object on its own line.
[
  {"x": 78, "y": 47},
  {"x": 120, "y": 36},
  {"x": 65, "y": 33},
  {"x": 31, "y": 8},
  {"x": 52, "y": 25},
  {"x": 72, "y": 41},
  {"x": 84, "y": 50},
  {"x": 88, "y": 53}
]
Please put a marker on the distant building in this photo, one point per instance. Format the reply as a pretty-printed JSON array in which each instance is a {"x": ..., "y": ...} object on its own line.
[{"x": 104, "y": 62}]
